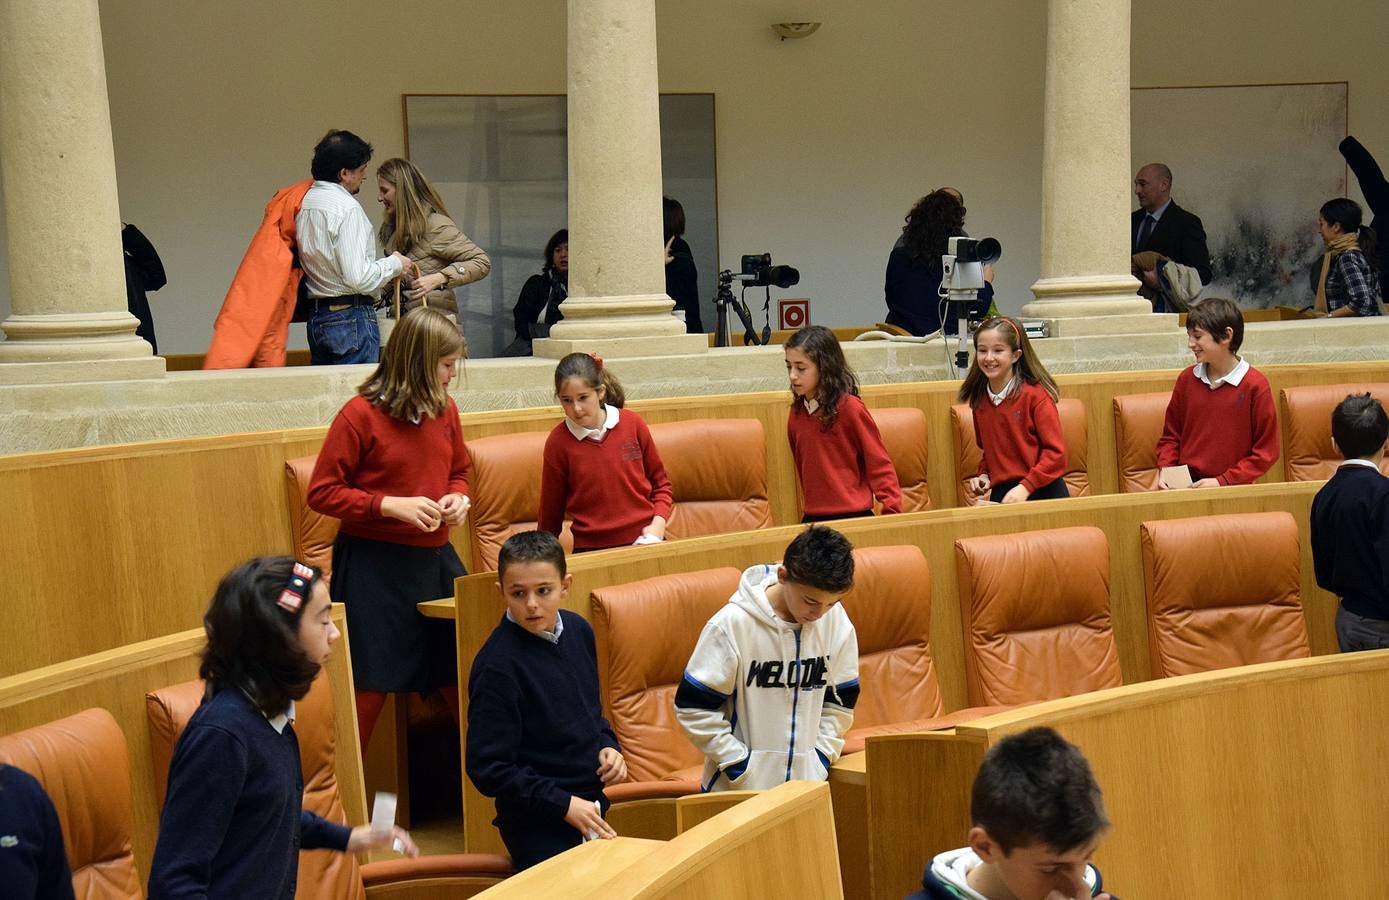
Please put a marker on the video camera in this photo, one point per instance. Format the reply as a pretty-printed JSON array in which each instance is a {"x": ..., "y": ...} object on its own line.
[
  {"x": 756, "y": 271},
  {"x": 961, "y": 280}
]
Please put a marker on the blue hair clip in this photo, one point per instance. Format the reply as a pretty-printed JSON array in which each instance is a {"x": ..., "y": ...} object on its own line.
[{"x": 292, "y": 597}]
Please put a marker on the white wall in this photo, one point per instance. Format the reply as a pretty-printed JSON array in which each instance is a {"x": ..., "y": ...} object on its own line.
[{"x": 823, "y": 144}]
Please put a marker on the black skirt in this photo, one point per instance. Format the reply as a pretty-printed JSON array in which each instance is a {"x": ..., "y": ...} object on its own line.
[{"x": 394, "y": 647}]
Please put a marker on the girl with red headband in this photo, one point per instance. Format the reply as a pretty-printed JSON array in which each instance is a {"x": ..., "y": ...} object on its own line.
[
  {"x": 1016, "y": 425},
  {"x": 601, "y": 467}
]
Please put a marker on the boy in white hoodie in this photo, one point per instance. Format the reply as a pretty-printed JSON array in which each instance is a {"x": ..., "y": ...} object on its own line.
[{"x": 770, "y": 688}]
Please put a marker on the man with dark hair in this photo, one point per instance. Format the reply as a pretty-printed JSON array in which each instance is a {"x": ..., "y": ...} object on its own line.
[
  {"x": 1160, "y": 226},
  {"x": 337, "y": 251},
  {"x": 779, "y": 659},
  {"x": 1350, "y": 526},
  {"x": 1038, "y": 818}
]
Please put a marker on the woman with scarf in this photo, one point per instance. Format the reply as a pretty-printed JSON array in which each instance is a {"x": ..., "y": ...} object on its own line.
[
  {"x": 417, "y": 224},
  {"x": 1347, "y": 286}
]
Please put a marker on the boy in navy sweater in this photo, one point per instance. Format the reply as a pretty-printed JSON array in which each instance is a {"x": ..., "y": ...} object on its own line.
[
  {"x": 537, "y": 739},
  {"x": 1350, "y": 526}
]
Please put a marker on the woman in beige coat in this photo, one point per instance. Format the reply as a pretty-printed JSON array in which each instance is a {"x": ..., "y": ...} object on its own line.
[{"x": 417, "y": 225}]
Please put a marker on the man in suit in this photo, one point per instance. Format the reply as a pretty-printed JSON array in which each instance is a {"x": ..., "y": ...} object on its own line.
[{"x": 1162, "y": 226}]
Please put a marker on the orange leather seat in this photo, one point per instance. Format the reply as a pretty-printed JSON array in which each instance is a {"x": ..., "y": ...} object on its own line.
[
  {"x": 904, "y": 437},
  {"x": 1074, "y": 430},
  {"x": 645, "y": 632},
  {"x": 83, "y": 765},
  {"x": 1308, "y": 450},
  {"x": 717, "y": 469},
  {"x": 327, "y": 873},
  {"x": 311, "y": 534},
  {"x": 1035, "y": 610},
  {"x": 1222, "y": 591},
  {"x": 890, "y": 606},
  {"x": 1137, "y": 428}
]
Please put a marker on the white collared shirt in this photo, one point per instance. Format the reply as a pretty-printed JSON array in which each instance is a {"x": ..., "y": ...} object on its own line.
[
  {"x": 336, "y": 246},
  {"x": 1002, "y": 395},
  {"x": 581, "y": 433},
  {"x": 279, "y": 722},
  {"x": 1234, "y": 376},
  {"x": 1358, "y": 462},
  {"x": 811, "y": 405},
  {"x": 551, "y": 636}
]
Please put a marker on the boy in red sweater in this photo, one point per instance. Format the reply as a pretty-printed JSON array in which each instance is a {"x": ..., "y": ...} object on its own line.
[{"x": 1220, "y": 422}]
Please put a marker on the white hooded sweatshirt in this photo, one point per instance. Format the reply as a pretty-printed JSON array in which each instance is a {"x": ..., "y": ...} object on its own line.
[{"x": 766, "y": 700}]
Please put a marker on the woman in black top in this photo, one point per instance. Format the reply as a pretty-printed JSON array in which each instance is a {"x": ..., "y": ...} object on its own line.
[
  {"x": 682, "y": 281},
  {"x": 537, "y": 308},
  {"x": 912, "y": 284}
]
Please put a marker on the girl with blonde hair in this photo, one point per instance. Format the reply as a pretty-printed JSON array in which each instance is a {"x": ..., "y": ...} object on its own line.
[
  {"x": 417, "y": 224},
  {"x": 394, "y": 470}
]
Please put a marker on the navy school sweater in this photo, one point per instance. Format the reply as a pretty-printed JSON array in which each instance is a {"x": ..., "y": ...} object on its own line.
[
  {"x": 535, "y": 723},
  {"x": 33, "y": 862},
  {"x": 233, "y": 820}
]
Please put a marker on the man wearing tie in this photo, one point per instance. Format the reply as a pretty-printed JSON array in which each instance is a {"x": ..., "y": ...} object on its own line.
[{"x": 1160, "y": 225}]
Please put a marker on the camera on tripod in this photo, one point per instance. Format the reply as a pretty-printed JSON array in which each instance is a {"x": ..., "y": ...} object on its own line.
[
  {"x": 756, "y": 271},
  {"x": 962, "y": 278}
]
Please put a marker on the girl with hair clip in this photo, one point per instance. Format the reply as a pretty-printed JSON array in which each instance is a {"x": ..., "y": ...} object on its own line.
[
  {"x": 417, "y": 224},
  {"x": 1016, "y": 424},
  {"x": 1348, "y": 285},
  {"x": 601, "y": 468},
  {"x": 840, "y": 458},
  {"x": 233, "y": 821},
  {"x": 394, "y": 470}
]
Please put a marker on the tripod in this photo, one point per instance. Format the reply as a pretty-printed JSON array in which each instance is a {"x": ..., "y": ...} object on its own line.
[{"x": 724, "y": 302}]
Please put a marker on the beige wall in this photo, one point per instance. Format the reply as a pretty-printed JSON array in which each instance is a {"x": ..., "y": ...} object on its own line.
[{"x": 822, "y": 144}]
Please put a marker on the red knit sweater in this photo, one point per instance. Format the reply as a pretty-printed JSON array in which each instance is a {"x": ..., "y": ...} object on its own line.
[
  {"x": 612, "y": 488},
  {"x": 1229, "y": 434},
  {"x": 1021, "y": 438},
  {"x": 844, "y": 467},
  {"x": 368, "y": 455}
]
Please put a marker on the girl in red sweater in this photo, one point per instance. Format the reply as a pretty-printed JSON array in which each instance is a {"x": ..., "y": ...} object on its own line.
[
  {"x": 839, "y": 454},
  {"x": 1016, "y": 424},
  {"x": 393, "y": 469},
  {"x": 601, "y": 467}
]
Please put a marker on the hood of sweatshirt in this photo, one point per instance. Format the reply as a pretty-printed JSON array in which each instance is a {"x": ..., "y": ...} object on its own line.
[
  {"x": 752, "y": 597},
  {"x": 951, "y": 870}
]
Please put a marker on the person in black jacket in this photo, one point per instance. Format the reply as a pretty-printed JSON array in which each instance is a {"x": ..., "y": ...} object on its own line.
[
  {"x": 1376, "y": 190},
  {"x": 537, "y": 307},
  {"x": 143, "y": 272},
  {"x": 911, "y": 285},
  {"x": 682, "y": 281},
  {"x": 1160, "y": 225},
  {"x": 1350, "y": 526},
  {"x": 33, "y": 862}
]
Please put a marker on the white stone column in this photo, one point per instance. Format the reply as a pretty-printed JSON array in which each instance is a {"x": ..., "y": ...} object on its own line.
[
  {"x": 69, "y": 319},
  {"x": 617, "y": 303},
  {"x": 1087, "y": 284}
]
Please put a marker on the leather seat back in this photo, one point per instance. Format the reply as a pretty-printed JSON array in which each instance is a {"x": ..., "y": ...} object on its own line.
[
  {"x": 645, "y": 632},
  {"x": 1310, "y": 454},
  {"x": 1137, "y": 428},
  {"x": 890, "y": 606},
  {"x": 325, "y": 873},
  {"x": 84, "y": 767},
  {"x": 718, "y": 475},
  {"x": 1074, "y": 431},
  {"x": 1035, "y": 610},
  {"x": 311, "y": 533},
  {"x": 903, "y": 430},
  {"x": 505, "y": 485},
  {"x": 1222, "y": 591}
]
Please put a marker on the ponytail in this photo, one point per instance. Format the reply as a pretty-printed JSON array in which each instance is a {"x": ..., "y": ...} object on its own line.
[{"x": 589, "y": 368}]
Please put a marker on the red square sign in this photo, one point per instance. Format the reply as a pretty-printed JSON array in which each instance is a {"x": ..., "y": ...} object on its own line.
[{"x": 792, "y": 314}]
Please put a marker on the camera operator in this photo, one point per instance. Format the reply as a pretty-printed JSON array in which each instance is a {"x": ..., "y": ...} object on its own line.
[{"x": 912, "y": 283}]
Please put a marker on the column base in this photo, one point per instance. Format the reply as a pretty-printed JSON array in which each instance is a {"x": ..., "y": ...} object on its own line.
[
  {"x": 681, "y": 344},
  {"x": 633, "y": 325},
  {"x": 1099, "y": 324},
  {"x": 68, "y": 347},
  {"x": 1066, "y": 296}
]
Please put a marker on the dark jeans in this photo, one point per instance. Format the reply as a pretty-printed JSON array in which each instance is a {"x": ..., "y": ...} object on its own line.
[
  {"x": 808, "y": 519},
  {"x": 1054, "y": 491},
  {"x": 530, "y": 841},
  {"x": 344, "y": 337},
  {"x": 1355, "y": 632}
]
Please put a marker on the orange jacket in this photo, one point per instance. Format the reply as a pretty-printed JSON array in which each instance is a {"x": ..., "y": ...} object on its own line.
[{"x": 253, "y": 326}]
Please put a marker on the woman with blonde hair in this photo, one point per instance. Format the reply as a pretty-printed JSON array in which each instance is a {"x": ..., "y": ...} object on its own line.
[{"x": 418, "y": 225}]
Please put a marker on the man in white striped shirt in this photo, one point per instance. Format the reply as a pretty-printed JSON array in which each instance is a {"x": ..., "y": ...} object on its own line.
[{"x": 337, "y": 252}]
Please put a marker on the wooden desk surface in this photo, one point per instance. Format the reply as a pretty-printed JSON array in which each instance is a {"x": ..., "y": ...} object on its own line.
[{"x": 568, "y": 874}]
